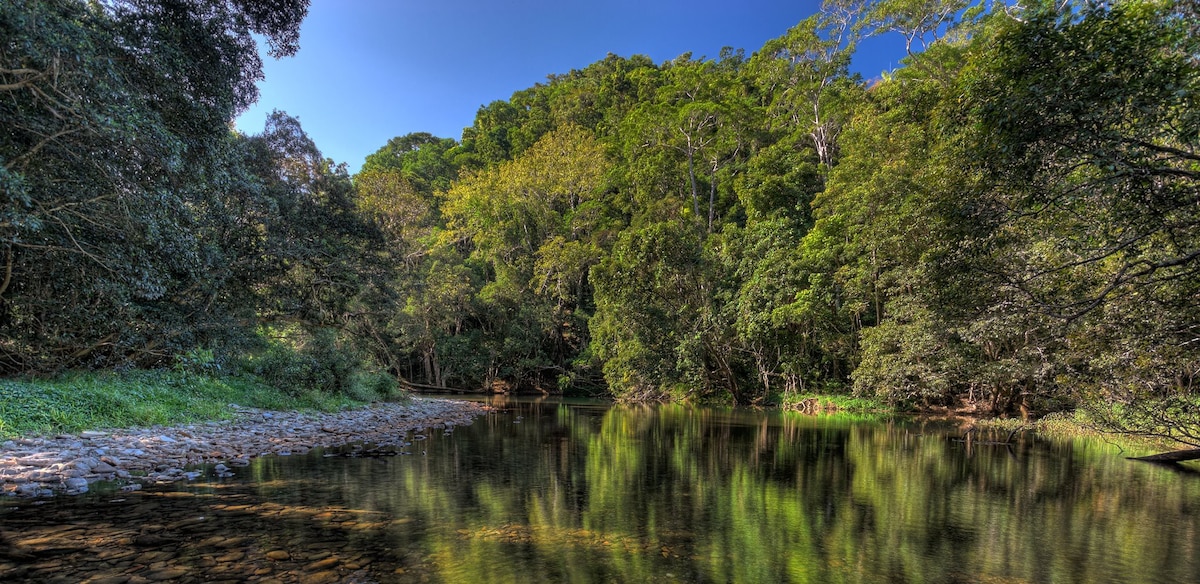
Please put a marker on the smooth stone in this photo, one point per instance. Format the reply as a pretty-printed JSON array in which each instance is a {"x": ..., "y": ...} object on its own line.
[
  {"x": 328, "y": 577},
  {"x": 42, "y": 476},
  {"x": 321, "y": 565},
  {"x": 166, "y": 574},
  {"x": 278, "y": 555}
]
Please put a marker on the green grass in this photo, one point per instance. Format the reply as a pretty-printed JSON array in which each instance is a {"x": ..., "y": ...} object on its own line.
[{"x": 85, "y": 401}]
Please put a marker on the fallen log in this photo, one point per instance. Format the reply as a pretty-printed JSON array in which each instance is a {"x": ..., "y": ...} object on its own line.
[
  {"x": 1173, "y": 456},
  {"x": 424, "y": 388}
]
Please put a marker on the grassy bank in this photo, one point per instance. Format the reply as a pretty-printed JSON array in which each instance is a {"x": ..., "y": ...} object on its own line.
[
  {"x": 814, "y": 403},
  {"x": 83, "y": 401},
  {"x": 1070, "y": 424},
  {"x": 1077, "y": 424}
]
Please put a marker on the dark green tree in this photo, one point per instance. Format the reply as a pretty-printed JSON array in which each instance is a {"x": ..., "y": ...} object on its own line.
[
  {"x": 116, "y": 134},
  {"x": 1086, "y": 134}
]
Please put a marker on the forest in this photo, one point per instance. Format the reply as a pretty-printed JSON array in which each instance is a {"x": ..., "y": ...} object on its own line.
[{"x": 1010, "y": 221}]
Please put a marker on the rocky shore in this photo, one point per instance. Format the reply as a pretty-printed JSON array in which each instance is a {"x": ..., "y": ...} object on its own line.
[{"x": 69, "y": 463}]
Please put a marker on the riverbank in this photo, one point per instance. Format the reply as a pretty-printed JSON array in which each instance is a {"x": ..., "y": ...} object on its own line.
[{"x": 70, "y": 463}]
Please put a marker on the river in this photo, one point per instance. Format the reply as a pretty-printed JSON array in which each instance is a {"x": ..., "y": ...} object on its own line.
[{"x": 563, "y": 491}]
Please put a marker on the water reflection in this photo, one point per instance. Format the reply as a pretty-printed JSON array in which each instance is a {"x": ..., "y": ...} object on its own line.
[{"x": 550, "y": 491}]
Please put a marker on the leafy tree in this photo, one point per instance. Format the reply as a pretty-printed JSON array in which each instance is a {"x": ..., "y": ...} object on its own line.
[
  {"x": 529, "y": 223},
  {"x": 681, "y": 142},
  {"x": 648, "y": 330},
  {"x": 802, "y": 73},
  {"x": 1086, "y": 135},
  {"x": 116, "y": 134},
  {"x": 422, "y": 159},
  {"x": 317, "y": 243}
]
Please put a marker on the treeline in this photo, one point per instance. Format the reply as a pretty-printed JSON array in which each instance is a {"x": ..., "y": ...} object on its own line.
[{"x": 1009, "y": 220}]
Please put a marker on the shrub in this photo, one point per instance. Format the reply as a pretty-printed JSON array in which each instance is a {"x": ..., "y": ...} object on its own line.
[{"x": 296, "y": 361}]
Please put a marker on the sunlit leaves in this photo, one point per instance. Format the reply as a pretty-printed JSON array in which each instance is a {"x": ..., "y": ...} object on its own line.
[{"x": 530, "y": 222}]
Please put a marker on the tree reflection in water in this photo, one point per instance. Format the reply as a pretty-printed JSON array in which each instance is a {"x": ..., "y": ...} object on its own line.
[{"x": 584, "y": 492}]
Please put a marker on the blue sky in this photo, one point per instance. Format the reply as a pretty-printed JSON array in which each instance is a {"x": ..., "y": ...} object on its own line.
[{"x": 369, "y": 70}]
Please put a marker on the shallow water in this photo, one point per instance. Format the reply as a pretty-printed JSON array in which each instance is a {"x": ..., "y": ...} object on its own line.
[{"x": 553, "y": 491}]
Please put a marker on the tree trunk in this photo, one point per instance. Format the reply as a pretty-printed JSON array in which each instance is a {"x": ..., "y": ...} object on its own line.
[
  {"x": 712, "y": 198},
  {"x": 691, "y": 155}
]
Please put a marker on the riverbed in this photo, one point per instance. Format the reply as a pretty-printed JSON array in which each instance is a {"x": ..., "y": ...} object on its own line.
[
  {"x": 565, "y": 491},
  {"x": 68, "y": 464}
]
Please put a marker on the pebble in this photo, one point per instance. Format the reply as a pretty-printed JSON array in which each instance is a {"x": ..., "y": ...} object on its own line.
[{"x": 42, "y": 466}]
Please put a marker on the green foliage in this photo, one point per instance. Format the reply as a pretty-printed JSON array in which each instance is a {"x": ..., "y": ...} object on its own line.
[
  {"x": 198, "y": 361},
  {"x": 913, "y": 360},
  {"x": 837, "y": 404},
  {"x": 650, "y": 340},
  {"x": 117, "y": 161},
  {"x": 1087, "y": 218},
  {"x": 295, "y": 362},
  {"x": 423, "y": 159}
]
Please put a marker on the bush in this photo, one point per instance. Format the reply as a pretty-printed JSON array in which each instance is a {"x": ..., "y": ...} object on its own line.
[
  {"x": 198, "y": 361},
  {"x": 372, "y": 386},
  {"x": 295, "y": 361}
]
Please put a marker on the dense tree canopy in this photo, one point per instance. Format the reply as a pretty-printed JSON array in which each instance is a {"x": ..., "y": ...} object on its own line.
[{"x": 1008, "y": 221}]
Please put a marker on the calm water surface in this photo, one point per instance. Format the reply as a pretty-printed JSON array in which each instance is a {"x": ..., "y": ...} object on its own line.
[{"x": 554, "y": 491}]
